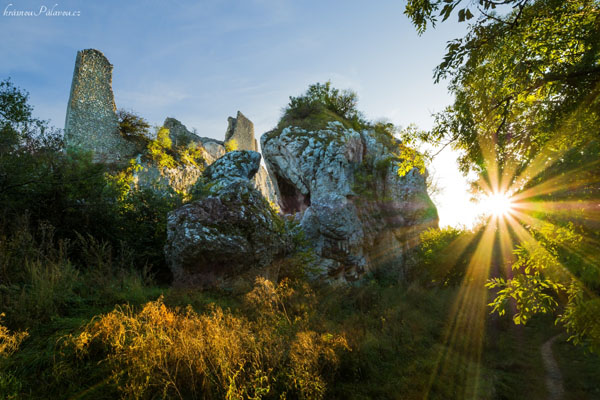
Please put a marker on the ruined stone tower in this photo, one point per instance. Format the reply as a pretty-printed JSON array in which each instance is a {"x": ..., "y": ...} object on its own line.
[
  {"x": 241, "y": 130},
  {"x": 91, "y": 123}
]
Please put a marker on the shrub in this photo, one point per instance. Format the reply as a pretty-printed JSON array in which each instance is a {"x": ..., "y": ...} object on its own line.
[
  {"x": 443, "y": 255},
  {"x": 159, "y": 149},
  {"x": 9, "y": 344},
  {"x": 231, "y": 145},
  {"x": 322, "y": 104},
  {"x": 132, "y": 125},
  {"x": 40, "y": 282}
]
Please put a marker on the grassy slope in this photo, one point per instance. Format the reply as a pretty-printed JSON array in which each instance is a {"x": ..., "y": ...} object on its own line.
[{"x": 395, "y": 333}]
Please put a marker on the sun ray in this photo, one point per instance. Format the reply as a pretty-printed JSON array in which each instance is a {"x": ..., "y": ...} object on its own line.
[
  {"x": 506, "y": 246},
  {"x": 526, "y": 237},
  {"x": 591, "y": 208},
  {"x": 537, "y": 223},
  {"x": 572, "y": 179},
  {"x": 465, "y": 326}
]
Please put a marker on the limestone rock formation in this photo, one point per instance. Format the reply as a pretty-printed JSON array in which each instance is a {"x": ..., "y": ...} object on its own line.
[
  {"x": 214, "y": 150},
  {"x": 264, "y": 183},
  {"x": 226, "y": 232},
  {"x": 240, "y": 136},
  {"x": 91, "y": 122},
  {"x": 233, "y": 166},
  {"x": 344, "y": 187},
  {"x": 181, "y": 178},
  {"x": 181, "y": 136}
]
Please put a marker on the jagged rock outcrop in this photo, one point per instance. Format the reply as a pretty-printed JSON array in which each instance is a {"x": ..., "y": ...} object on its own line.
[
  {"x": 181, "y": 178},
  {"x": 240, "y": 136},
  {"x": 181, "y": 136},
  {"x": 228, "y": 231},
  {"x": 344, "y": 187},
  {"x": 233, "y": 166},
  {"x": 91, "y": 122}
]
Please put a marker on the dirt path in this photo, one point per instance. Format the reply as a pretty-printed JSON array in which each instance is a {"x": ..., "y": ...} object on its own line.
[{"x": 554, "y": 380}]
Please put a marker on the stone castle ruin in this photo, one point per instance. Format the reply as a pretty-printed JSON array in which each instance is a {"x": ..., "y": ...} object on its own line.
[
  {"x": 91, "y": 122},
  {"x": 240, "y": 132}
]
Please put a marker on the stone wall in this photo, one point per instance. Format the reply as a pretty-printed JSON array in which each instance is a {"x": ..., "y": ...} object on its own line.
[
  {"x": 241, "y": 130},
  {"x": 91, "y": 123}
]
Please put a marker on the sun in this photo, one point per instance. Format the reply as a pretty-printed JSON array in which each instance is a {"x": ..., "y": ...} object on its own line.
[{"x": 497, "y": 204}]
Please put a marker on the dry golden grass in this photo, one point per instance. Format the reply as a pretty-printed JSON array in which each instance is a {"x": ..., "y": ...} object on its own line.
[
  {"x": 172, "y": 352},
  {"x": 9, "y": 342}
]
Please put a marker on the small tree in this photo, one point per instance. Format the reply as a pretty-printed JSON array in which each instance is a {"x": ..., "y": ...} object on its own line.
[
  {"x": 320, "y": 97},
  {"x": 19, "y": 130},
  {"x": 131, "y": 124}
]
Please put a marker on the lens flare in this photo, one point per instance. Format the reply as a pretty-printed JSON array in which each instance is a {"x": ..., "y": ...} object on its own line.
[{"x": 497, "y": 204}]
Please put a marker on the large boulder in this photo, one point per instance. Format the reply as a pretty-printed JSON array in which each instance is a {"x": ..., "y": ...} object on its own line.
[
  {"x": 229, "y": 230},
  {"x": 344, "y": 188},
  {"x": 235, "y": 165}
]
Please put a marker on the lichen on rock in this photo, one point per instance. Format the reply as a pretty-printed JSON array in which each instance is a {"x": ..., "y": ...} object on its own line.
[
  {"x": 228, "y": 230},
  {"x": 344, "y": 187}
]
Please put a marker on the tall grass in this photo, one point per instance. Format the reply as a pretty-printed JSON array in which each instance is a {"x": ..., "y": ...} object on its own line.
[
  {"x": 178, "y": 353},
  {"x": 38, "y": 280}
]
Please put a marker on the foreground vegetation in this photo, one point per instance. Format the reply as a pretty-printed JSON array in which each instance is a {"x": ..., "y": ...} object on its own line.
[{"x": 106, "y": 331}]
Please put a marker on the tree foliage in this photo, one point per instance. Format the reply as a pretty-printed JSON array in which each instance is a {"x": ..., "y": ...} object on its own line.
[
  {"x": 74, "y": 195},
  {"x": 323, "y": 96},
  {"x": 523, "y": 82},
  {"x": 526, "y": 110}
]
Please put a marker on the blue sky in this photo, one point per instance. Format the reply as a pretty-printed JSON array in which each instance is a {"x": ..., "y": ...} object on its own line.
[{"x": 201, "y": 61}]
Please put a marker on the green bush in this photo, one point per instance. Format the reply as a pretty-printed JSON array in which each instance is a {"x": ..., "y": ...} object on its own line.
[
  {"x": 318, "y": 106},
  {"x": 72, "y": 194},
  {"x": 40, "y": 282},
  {"x": 443, "y": 255}
]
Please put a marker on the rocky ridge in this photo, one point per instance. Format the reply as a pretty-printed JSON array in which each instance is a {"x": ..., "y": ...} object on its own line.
[{"x": 341, "y": 184}]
